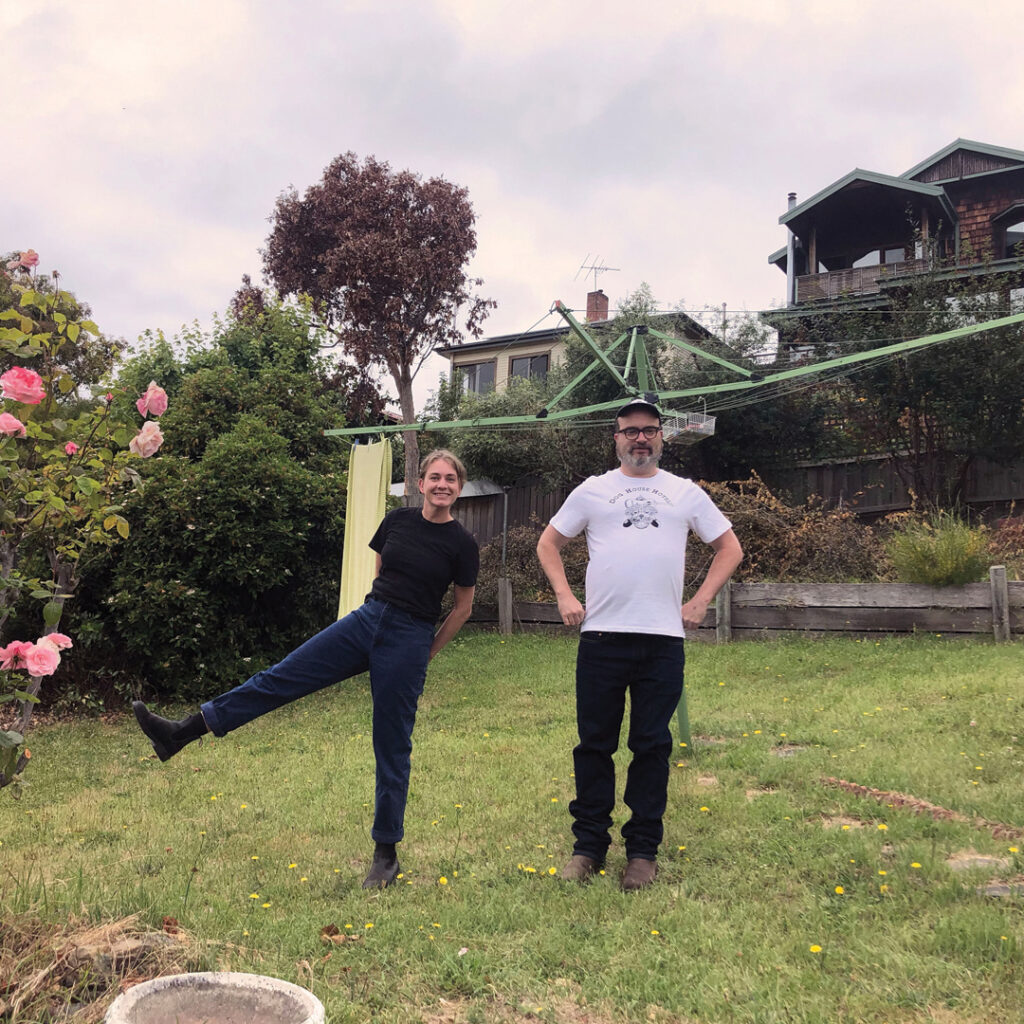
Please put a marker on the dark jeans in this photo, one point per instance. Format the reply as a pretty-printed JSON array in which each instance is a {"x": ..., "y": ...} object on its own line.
[
  {"x": 650, "y": 667},
  {"x": 395, "y": 647}
]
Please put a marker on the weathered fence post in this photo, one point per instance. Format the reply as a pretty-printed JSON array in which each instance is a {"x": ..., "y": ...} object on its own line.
[
  {"x": 504, "y": 605},
  {"x": 723, "y": 614},
  {"x": 1000, "y": 602}
]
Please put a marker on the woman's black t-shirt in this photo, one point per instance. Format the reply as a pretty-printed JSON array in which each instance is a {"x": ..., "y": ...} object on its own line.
[{"x": 419, "y": 559}]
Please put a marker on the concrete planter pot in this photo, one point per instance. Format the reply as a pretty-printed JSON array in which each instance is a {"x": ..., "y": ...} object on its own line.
[{"x": 216, "y": 997}]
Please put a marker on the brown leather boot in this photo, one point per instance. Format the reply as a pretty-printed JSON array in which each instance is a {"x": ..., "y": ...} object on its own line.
[
  {"x": 639, "y": 874},
  {"x": 580, "y": 868}
]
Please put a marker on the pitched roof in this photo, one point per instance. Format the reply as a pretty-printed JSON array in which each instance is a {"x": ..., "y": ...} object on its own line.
[
  {"x": 868, "y": 177},
  {"x": 1011, "y": 156}
]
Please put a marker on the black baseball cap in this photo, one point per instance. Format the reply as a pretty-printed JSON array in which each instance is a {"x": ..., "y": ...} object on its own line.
[{"x": 639, "y": 405}]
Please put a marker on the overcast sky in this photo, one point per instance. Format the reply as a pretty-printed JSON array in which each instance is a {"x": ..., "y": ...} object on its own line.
[{"x": 145, "y": 144}]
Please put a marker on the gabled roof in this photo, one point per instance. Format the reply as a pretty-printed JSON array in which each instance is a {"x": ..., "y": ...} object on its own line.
[
  {"x": 554, "y": 334},
  {"x": 867, "y": 177},
  {"x": 1012, "y": 156}
]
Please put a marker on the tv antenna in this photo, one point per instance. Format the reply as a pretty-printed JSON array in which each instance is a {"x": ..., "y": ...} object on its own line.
[{"x": 597, "y": 267}]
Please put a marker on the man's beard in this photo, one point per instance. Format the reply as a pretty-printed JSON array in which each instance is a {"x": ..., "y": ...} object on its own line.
[{"x": 639, "y": 460}]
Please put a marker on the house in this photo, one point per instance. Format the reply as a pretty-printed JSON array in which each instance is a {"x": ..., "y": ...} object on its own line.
[
  {"x": 960, "y": 211},
  {"x": 492, "y": 362}
]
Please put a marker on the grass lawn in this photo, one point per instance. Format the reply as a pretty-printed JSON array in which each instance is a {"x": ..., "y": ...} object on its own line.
[{"x": 780, "y": 898}]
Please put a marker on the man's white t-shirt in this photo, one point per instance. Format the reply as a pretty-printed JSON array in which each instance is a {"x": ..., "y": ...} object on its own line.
[{"x": 636, "y": 531}]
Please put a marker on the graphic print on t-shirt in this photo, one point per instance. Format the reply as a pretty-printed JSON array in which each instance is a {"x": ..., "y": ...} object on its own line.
[{"x": 640, "y": 512}]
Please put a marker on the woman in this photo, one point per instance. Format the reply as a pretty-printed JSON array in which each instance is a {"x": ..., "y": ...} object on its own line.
[{"x": 420, "y": 552}]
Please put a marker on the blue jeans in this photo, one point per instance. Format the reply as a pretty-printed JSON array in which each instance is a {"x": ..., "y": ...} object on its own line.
[
  {"x": 395, "y": 647},
  {"x": 650, "y": 667}
]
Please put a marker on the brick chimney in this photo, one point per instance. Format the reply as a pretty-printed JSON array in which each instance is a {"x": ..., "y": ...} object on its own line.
[{"x": 597, "y": 306}]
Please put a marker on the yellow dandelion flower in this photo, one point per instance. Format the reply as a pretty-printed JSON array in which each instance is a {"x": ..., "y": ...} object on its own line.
[
  {"x": 442, "y": 880},
  {"x": 846, "y": 828},
  {"x": 654, "y": 931},
  {"x": 254, "y": 895},
  {"x": 840, "y": 890},
  {"x": 303, "y": 879},
  {"x": 552, "y": 871},
  {"x": 292, "y": 865},
  {"x": 1012, "y": 849},
  {"x": 265, "y": 905},
  {"x": 554, "y": 799},
  {"x": 883, "y": 872},
  {"x": 369, "y": 924},
  {"x": 882, "y": 827},
  {"x": 883, "y": 888},
  {"x": 255, "y": 856},
  {"x": 815, "y": 948},
  {"x": 242, "y": 807},
  {"x": 915, "y": 864},
  {"x": 757, "y": 732},
  {"x": 681, "y": 848},
  {"x": 705, "y": 808},
  {"x": 436, "y": 924}
]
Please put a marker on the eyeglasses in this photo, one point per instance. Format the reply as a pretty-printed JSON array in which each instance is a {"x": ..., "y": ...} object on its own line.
[{"x": 632, "y": 433}]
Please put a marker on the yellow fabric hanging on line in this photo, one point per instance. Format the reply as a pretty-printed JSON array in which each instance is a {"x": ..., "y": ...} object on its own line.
[{"x": 369, "y": 476}]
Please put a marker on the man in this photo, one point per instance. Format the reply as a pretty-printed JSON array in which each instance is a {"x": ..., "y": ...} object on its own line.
[{"x": 636, "y": 520}]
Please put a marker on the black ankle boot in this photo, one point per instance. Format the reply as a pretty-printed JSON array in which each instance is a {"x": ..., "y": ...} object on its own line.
[
  {"x": 168, "y": 737},
  {"x": 384, "y": 869}
]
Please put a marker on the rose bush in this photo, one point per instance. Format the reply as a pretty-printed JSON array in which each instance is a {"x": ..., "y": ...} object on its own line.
[{"x": 65, "y": 466}]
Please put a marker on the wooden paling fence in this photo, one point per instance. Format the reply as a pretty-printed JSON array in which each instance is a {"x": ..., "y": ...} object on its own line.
[{"x": 759, "y": 610}]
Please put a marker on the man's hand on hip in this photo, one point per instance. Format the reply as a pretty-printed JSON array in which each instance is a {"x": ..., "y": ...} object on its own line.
[
  {"x": 693, "y": 612},
  {"x": 570, "y": 609}
]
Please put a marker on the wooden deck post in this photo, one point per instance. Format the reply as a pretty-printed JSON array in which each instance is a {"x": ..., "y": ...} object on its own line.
[
  {"x": 723, "y": 614},
  {"x": 1000, "y": 602},
  {"x": 504, "y": 605}
]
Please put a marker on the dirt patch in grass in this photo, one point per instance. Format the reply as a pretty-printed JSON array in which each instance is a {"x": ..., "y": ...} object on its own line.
[
  {"x": 562, "y": 1004},
  {"x": 840, "y": 821},
  {"x": 74, "y": 971}
]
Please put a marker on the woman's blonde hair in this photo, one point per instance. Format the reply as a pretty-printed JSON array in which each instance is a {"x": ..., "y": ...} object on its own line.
[{"x": 449, "y": 457}]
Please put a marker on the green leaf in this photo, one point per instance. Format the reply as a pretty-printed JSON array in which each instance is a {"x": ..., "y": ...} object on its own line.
[
  {"x": 11, "y": 739},
  {"x": 52, "y": 612},
  {"x": 65, "y": 384},
  {"x": 110, "y": 522},
  {"x": 57, "y": 502},
  {"x": 73, "y": 331},
  {"x": 30, "y": 698},
  {"x": 122, "y": 527}
]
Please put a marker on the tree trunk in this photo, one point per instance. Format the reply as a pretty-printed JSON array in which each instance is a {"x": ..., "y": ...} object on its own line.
[{"x": 412, "y": 447}]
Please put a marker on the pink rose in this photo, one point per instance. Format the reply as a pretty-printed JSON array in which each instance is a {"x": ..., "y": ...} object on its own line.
[
  {"x": 71, "y": 448},
  {"x": 23, "y": 385},
  {"x": 58, "y": 641},
  {"x": 110, "y": 396},
  {"x": 28, "y": 260},
  {"x": 147, "y": 440},
  {"x": 153, "y": 401},
  {"x": 13, "y": 655},
  {"x": 41, "y": 659},
  {"x": 11, "y": 425}
]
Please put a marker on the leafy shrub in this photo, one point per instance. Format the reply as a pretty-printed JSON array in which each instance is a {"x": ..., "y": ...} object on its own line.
[
  {"x": 1006, "y": 545},
  {"x": 940, "y": 550},
  {"x": 784, "y": 543},
  {"x": 232, "y": 560},
  {"x": 522, "y": 567}
]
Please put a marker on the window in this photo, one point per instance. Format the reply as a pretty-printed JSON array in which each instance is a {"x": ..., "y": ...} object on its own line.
[
  {"x": 528, "y": 366},
  {"x": 477, "y": 377}
]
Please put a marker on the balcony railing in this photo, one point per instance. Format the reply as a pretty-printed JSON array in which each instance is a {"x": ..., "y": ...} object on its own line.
[{"x": 834, "y": 284}]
